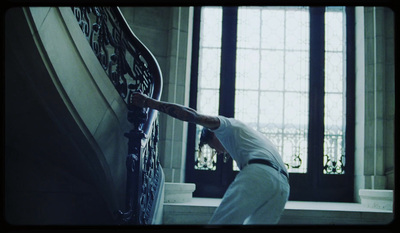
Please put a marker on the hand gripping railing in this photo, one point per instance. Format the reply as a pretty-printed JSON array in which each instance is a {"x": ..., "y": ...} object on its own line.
[{"x": 131, "y": 68}]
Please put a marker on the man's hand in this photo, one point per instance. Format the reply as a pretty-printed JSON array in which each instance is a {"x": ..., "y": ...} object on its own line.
[{"x": 138, "y": 99}]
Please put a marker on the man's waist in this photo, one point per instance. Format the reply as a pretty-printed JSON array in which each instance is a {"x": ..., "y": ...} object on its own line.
[{"x": 270, "y": 164}]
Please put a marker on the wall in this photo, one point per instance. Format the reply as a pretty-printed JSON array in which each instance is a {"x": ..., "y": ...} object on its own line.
[
  {"x": 375, "y": 96},
  {"x": 166, "y": 32}
]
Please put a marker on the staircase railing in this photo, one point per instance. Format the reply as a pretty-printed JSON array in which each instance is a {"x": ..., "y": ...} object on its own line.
[{"x": 131, "y": 68}]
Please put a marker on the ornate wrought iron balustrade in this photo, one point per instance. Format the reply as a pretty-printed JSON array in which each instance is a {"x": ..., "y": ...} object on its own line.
[{"x": 131, "y": 68}]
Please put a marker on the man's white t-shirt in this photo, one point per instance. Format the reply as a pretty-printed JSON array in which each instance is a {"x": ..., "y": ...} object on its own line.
[{"x": 244, "y": 143}]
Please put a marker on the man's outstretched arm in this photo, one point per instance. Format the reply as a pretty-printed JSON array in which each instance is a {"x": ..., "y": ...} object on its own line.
[{"x": 175, "y": 110}]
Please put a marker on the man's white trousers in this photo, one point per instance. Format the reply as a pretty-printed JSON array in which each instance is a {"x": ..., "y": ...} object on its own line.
[{"x": 257, "y": 196}]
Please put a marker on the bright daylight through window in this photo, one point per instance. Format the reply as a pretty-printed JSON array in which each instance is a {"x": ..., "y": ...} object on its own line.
[{"x": 272, "y": 80}]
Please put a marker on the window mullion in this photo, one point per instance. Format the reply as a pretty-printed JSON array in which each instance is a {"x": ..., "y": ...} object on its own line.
[
  {"x": 316, "y": 95},
  {"x": 228, "y": 62},
  {"x": 350, "y": 93}
]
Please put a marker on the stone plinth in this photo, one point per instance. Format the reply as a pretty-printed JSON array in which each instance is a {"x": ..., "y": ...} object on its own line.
[
  {"x": 178, "y": 192},
  {"x": 377, "y": 198}
]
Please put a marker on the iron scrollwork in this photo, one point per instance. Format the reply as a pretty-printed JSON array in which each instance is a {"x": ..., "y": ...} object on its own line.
[
  {"x": 131, "y": 68},
  {"x": 295, "y": 162},
  {"x": 332, "y": 166},
  {"x": 143, "y": 169},
  {"x": 122, "y": 60},
  {"x": 334, "y": 157},
  {"x": 151, "y": 176}
]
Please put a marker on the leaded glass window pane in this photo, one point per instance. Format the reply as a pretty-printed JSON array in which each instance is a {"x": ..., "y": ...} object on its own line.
[
  {"x": 272, "y": 77},
  {"x": 272, "y": 69},
  {"x": 272, "y": 80},
  {"x": 209, "y": 78},
  {"x": 335, "y": 99}
]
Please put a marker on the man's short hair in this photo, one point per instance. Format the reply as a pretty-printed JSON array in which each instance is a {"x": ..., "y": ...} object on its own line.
[{"x": 205, "y": 137}]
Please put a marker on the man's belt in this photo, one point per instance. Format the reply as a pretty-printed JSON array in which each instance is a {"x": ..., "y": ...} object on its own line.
[{"x": 269, "y": 163}]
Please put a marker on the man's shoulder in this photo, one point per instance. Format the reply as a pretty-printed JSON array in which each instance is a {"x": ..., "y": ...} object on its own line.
[
  {"x": 224, "y": 122},
  {"x": 227, "y": 120}
]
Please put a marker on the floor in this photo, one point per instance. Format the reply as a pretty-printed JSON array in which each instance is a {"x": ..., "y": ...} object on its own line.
[
  {"x": 291, "y": 205},
  {"x": 199, "y": 211}
]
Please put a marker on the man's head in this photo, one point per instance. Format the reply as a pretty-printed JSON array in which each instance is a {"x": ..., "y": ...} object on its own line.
[{"x": 209, "y": 138}]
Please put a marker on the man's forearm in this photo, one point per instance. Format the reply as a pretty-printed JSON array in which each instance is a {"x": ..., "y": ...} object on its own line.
[
  {"x": 182, "y": 113},
  {"x": 177, "y": 111}
]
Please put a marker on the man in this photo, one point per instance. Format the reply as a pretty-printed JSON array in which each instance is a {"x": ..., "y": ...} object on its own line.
[{"x": 261, "y": 189}]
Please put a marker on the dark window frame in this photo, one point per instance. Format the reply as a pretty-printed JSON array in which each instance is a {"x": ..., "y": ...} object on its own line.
[{"x": 310, "y": 186}]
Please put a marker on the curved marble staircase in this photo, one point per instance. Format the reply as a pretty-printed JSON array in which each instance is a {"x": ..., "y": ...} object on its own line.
[{"x": 76, "y": 152}]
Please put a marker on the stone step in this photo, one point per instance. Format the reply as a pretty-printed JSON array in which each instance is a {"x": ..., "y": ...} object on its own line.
[{"x": 197, "y": 211}]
